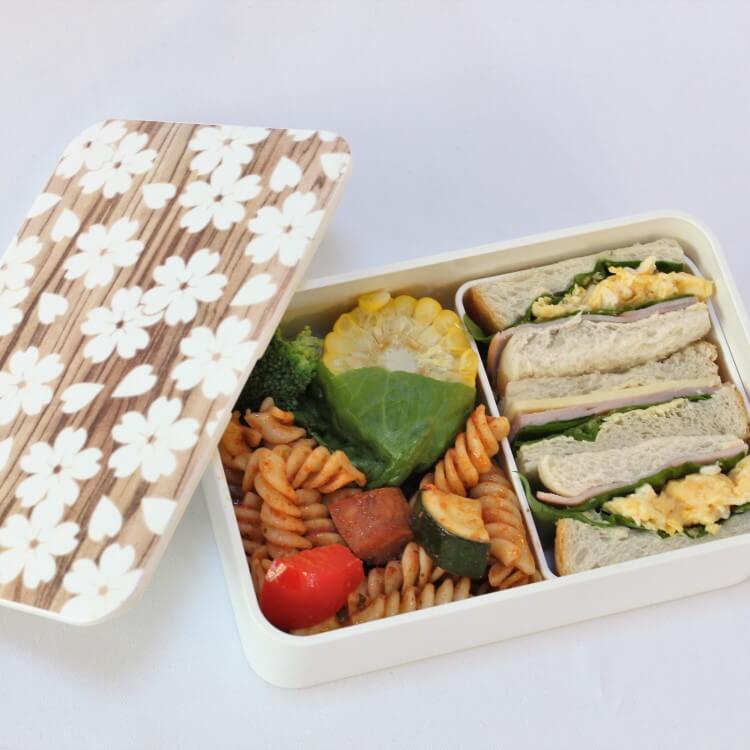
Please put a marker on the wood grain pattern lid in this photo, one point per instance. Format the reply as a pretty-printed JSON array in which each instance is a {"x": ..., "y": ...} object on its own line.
[{"x": 143, "y": 285}]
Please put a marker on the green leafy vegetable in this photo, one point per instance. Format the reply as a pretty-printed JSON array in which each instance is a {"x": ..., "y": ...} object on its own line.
[
  {"x": 390, "y": 424},
  {"x": 476, "y": 332},
  {"x": 284, "y": 372}
]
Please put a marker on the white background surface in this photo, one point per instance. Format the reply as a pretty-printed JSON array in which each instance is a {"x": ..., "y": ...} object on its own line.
[{"x": 469, "y": 122}]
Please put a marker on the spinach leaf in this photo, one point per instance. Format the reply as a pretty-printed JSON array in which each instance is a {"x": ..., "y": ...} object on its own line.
[
  {"x": 390, "y": 424},
  {"x": 476, "y": 332}
]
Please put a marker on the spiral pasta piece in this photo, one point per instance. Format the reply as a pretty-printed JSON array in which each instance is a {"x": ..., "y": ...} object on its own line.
[
  {"x": 410, "y": 600},
  {"x": 320, "y": 529},
  {"x": 275, "y": 425},
  {"x": 414, "y": 570},
  {"x": 280, "y": 515},
  {"x": 513, "y": 561},
  {"x": 319, "y": 469},
  {"x": 471, "y": 455},
  {"x": 237, "y": 440},
  {"x": 247, "y": 512},
  {"x": 259, "y": 562}
]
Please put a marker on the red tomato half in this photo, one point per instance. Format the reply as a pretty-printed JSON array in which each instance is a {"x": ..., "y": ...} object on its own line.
[{"x": 304, "y": 589}]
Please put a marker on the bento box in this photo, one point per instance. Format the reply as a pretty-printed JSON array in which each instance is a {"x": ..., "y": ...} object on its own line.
[
  {"x": 144, "y": 285},
  {"x": 292, "y": 661}
]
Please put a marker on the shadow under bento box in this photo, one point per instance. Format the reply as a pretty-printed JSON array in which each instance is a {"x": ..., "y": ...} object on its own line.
[{"x": 294, "y": 661}]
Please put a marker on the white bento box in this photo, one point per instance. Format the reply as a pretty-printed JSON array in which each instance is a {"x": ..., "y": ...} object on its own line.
[{"x": 293, "y": 661}]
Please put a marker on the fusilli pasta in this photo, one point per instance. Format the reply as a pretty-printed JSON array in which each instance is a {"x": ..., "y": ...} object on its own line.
[
  {"x": 513, "y": 561},
  {"x": 280, "y": 515},
  {"x": 412, "y": 599},
  {"x": 471, "y": 454}
]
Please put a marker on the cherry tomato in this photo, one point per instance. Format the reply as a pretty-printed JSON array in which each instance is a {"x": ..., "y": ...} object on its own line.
[{"x": 304, "y": 589}]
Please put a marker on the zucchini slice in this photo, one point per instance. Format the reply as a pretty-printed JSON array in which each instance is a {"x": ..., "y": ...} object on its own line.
[{"x": 451, "y": 530}]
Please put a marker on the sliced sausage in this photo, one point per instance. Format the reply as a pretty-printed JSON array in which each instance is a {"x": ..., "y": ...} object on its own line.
[{"x": 374, "y": 523}]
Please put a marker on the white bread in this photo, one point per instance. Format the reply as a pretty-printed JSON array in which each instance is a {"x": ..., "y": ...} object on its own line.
[
  {"x": 723, "y": 413},
  {"x": 696, "y": 361},
  {"x": 578, "y": 345},
  {"x": 574, "y": 474},
  {"x": 497, "y": 303},
  {"x": 580, "y": 547}
]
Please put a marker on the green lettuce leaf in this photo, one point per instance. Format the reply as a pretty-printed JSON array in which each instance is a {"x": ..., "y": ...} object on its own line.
[
  {"x": 390, "y": 424},
  {"x": 476, "y": 332}
]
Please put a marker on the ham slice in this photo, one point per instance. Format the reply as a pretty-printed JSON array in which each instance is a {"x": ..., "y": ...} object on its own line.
[
  {"x": 602, "y": 407},
  {"x": 499, "y": 340},
  {"x": 697, "y": 458}
]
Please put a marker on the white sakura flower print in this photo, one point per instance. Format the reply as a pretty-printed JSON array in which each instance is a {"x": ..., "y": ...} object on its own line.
[
  {"x": 215, "y": 360},
  {"x": 219, "y": 201},
  {"x": 55, "y": 470},
  {"x": 115, "y": 174},
  {"x": 148, "y": 443},
  {"x": 120, "y": 328},
  {"x": 10, "y": 313},
  {"x": 30, "y": 545},
  {"x": 25, "y": 385},
  {"x": 183, "y": 285},
  {"x": 101, "y": 250},
  {"x": 222, "y": 143},
  {"x": 15, "y": 266},
  {"x": 302, "y": 135},
  {"x": 286, "y": 232},
  {"x": 91, "y": 148},
  {"x": 99, "y": 589}
]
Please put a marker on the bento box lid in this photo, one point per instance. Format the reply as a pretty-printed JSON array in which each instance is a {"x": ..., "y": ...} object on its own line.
[{"x": 142, "y": 287}]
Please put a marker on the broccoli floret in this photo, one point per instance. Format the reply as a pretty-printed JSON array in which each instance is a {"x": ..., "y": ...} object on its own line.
[{"x": 284, "y": 371}]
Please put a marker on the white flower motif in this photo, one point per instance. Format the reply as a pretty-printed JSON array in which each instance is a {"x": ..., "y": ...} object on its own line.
[
  {"x": 15, "y": 268},
  {"x": 25, "y": 385},
  {"x": 10, "y": 313},
  {"x": 91, "y": 148},
  {"x": 32, "y": 544},
  {"x": 120, "y": 327},
  {"x": 219, "y": 201},
  {"x": 286, "y": 232},
  {"x": 101, "y": 250},
  {"x": 55, "y": 470},
  {"x": 302, "y": 135},
  {"x": 183, "y": 285},
  {"x": 224, "y": 144},
  {"x": 99, "y": 589},
  {"x": 115, "y": 174},
  {"x": 148, "y": 443},
  {"x": 215, "y": 360}
]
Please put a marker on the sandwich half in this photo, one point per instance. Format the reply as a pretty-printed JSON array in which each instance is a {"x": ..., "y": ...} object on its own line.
[
  {"x": 721, "y": 412},
  {"x": 496, "y": 304},
  {"x": 580, "y": 546}
]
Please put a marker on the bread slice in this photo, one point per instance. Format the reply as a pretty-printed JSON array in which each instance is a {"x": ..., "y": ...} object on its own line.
[
  {"x": 575, "y": 474},
  {"x": 724, "y": 413},
  {"x": 499, "y": 302},
  {"x": 580, "y": 547},
  {"x": 577, "y": 345},
  {"x": 696, "y": 361}
]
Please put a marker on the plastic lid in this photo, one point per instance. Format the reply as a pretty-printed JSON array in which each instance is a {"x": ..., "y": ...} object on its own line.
[{"x": 143, "y": 285}]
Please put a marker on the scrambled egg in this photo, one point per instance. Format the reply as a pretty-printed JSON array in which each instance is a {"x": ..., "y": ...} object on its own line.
[
  {"x": 700, "y": 499},
  {"x": 625, "y": 287}
]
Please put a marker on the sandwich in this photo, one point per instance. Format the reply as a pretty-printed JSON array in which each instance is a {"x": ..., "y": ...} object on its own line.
[
  {"x": 580, "y": 546},
  {"x": 579, "y": 345},
  {"x": 547, "y": 292},
  {"x": 721, "y": 412}
]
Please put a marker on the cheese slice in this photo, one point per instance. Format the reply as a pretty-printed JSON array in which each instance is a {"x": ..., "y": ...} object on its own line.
[{"x": 667, "y": 387}]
